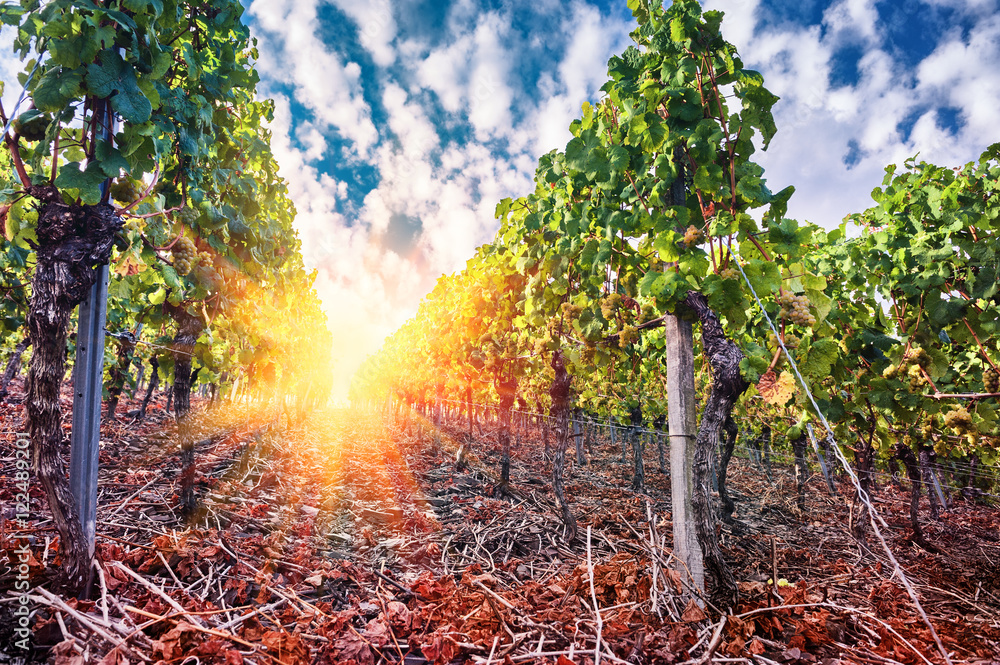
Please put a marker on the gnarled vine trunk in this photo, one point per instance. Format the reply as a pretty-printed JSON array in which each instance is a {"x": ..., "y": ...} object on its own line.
[
  {"x": 119, "y": 375},
  {"x": 559, "y": 391},
  {"x": 639, "y": 472},
  {"x": 13, "y": 365},
  {"x": 72, "y": 241},
  {"x": 912, "y": 466},
  {"x": 727, "y": 386},
  {"x": 154, "y": 381},
  {"x": 506, "y": 389},
  {"x": 729, "y": 432},
  {"x": 189, "y": 327}
]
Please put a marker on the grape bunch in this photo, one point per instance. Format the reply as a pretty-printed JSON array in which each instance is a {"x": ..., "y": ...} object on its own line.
[
  {"x": 729, "y": 273},
  {"x": 571, "y": 311},
  {"x": 647, "y": 313},
  {"x": 124, "y": 190},
  {"x": 188, "y": 215},
  {"x": 991, "y": 380},
  {"x": 917, "y": 379},
  {"x": 541, "y": 344},
  {"x": 796, "y": 308},
  {"x": 927, "y": 427},
  {"x": 184, "y": 253},
  {"x": 628, "y": 335},
  {"x": 205, "y": 259},
  {"x": 609, "y": 304},
  {"x": 960, "y": 422},
  {"x": 31, "y": 125},
  {"x": 693, "y": 236}
]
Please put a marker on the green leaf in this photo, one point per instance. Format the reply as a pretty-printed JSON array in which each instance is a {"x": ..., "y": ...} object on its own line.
[
  {"x": 87, "y": 183},
  {"x": 172, "y": 279},
  {"x": 111, "y": 160},
  {"x": 115, "y": 79},
  {"x": 57, "y": 88},
  {"x": 822, "y": 354}
]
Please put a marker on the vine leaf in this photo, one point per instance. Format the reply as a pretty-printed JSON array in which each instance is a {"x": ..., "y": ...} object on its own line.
[
  {"x": 776, "y": 390},
  {"x": 115, "y": 79},
  {"x": 87, "y": 182},
  {"x": 56, "y": 88}
]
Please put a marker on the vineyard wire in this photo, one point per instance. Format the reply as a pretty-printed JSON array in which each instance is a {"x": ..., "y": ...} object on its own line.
[
  {"x": 898, "y": 570},
  {"x": 24, "y": 91},
  {"x": 741, "y": 447}
]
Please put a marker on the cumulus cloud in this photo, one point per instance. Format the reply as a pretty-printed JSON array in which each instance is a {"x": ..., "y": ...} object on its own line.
[
  {"x": 833, "y": 141},
  {"x": 465, "y": 108},
  {"x": 293, "y": 54}
]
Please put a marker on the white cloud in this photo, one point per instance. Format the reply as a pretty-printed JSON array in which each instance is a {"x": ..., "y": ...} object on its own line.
[
  {"x": 856, "y": 18},
  {"x": 376, "y": 27},
  {"x": 291, "y": 53},
  {"x": 818, "y": 125}
]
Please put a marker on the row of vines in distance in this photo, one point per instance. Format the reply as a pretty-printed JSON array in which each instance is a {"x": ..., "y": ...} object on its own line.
[
  {"x": 197, "y": 225},
  {"x": 647, "y": 213}
]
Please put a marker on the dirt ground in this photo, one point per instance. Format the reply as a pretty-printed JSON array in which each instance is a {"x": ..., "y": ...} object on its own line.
[{"x": 348, "y": 537}]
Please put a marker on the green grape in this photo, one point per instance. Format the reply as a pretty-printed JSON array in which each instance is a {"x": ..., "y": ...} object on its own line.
[
  {"x": 188, "y": 215},
  {"x": 185, "y": 254},
  {"x": 609, "y": 304},
  {"x": 959, "y": 420},
  {"x": 124, "y": 190},
  {"x": 571, "y": 311},
  {"x": 991, "y": 380},
  {"x": 919, "y": 356},
  {"x": 693, "y": 236},
  {"x": 31, "y": 125}
]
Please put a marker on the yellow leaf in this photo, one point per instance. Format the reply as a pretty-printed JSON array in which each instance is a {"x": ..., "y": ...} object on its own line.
[{"x": 776, "y": 391}]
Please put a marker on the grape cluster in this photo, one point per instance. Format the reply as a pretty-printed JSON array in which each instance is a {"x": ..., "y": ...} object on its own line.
[
  {"x": 124, "y": 190},
  {"x": 609, "y": 304},
  {"x": 959, "y": 420},
  {"x": 917, "y": 379},
  {"x": 31, "y": 125},
  {"x": 927, "y": 427},
  {"x": 628, "y": 335},
  {"x": 571, "y": 311},
  {"x": 542, "y": 344},
  {"x": 188, "y": 215},
  {"x": 729, "y": 273},
  {"x": 184, "y": 255},
  {"x": 796, "y": 308},
  {"x": 991, "y": 380},
  {"x": 915, "y": 364},
  {"x": 648, "y": 313},
  {"x": 693, "y": 236}
]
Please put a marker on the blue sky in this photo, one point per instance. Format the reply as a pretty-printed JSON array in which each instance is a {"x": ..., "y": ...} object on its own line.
[{"x": 400, "y": 125}]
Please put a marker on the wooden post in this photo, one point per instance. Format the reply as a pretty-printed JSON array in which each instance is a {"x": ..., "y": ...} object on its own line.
[{"x": 682, "y": 427}]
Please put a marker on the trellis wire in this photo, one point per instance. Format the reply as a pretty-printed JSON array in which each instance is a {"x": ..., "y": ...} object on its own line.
[
  {"x": 24, "y": 91},
  {"x": 983, "y": 471},
  {"x": 898, "y": 570}
]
